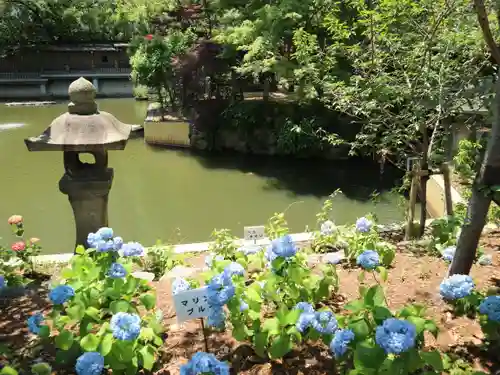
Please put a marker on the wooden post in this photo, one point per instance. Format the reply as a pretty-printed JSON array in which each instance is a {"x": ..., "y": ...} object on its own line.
[
  {"x": 413, "y": 201},
  {"x": 445, "y": 169}
]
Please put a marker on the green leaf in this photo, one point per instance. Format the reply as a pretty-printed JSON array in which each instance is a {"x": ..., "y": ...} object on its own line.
[
  {"x": 432, "y": 328},
  {"x": 280, "y": 346},
  {"x": 253, "y": 295},
  {"x": 381, "y": 313},
  {"x": 272, "y": 326},
  {"x": 374, "y": 296},
  {"x": 67, "y": 273},
  {"x": 291, "y": 317},
  {"x": 355, "y": 306},
  {"x": 80, "y": 250},
  {"x": 44, "y": 332},
  {"x": 93, "y": 313},
  {"x": 382, "y": 271},
  {"x": 433, "y": 358},
  {"x": 64, "y": 340},
  {"x": 147, "y": 354},
  {"x": 89, "y": 343},
  {"x": 368, "y": 355},
  {"x": 239, "y": 332},
  {"x": 7, "y": 370},
  {"x": 76, "y": 312},
  {"x": 106, "y": 344},
  {"x": 148, "y": 300},
  {"x": 418, "y": 322},
  {"x": 260, "y": 343},
  {"x": 119, "y": 306},
  {"x": 360, "y": 328}
]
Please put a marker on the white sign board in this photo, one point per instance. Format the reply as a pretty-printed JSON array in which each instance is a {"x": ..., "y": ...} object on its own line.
[
  {"x": 254, "y": 233},
  {"x": 191, "y": 304}
]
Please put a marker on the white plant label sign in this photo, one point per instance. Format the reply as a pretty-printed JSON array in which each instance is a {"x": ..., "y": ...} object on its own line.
[
  {"x": 191, "y": 304},
  {"x": 254, "y": 233}
]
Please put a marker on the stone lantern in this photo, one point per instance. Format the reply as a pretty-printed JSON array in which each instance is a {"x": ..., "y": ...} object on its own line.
[{"x": 84, "y": 130}]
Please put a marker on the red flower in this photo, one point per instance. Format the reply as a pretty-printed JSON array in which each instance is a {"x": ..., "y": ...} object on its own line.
[
  {"x": 15, "y": 219},
  {"x": 149, "y": 37},
  {"x": 18, "y": 246}
]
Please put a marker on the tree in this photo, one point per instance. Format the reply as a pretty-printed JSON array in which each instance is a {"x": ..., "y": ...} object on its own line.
[{"x": 487, "y": 177}]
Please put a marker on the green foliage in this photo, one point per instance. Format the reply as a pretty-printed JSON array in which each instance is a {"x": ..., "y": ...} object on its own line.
[
  {"x": 465, "y": 159},
  {"x": 444, "y": 232},
  {"x": 223, "y": 243},
  {"x": 161, "y": 259},
  {"x": 277, "y": 226},
  {"x": 327, "y": 235},
  {"x": 83, "y": 323},
  {"x": 152, "y": 62}
]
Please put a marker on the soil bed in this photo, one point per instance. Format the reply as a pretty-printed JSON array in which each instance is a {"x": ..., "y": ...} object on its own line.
[{"x": 412, "y": 279}]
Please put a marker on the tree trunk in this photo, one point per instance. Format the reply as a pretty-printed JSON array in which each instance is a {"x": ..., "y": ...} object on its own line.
[{"x": 479, "y": 203}]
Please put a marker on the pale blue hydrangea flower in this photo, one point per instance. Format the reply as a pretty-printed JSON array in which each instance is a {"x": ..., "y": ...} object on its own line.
[
  {"x": 363, "y": 225},
  {"x": 490, "y": 306},
  {"x": 304, "y": 322},
  {"x": 332, "y": 258},
  {"x": 269, "y": 254},
  {"x": 284, "y": 247},
  {"x": 61, "y": 294},
  {"x": 324, "y": 322},
  {"x": 456, "y": 286},
  {"x": 210, "y": 258},
  {"x": 125, "y": 326},
  {"x": 304, "y": 307},
  {"x": 368, "y": 260},
  {"x": 220, "y": 289},
  {"x": 117, "y": 271},
  {"x": 449, "y": 253},
  {"x": 250, "y": 249},
  {"x": 396, "y": 336},
  {"x": 105, "y": 233},
  {"x": 133, "y": 249},
  {"x": 485, "y": 260},
  {"x": 118, "y": 243},
  {"x": 341, "y": 341},
  {"x": 34, "y": 323},
  {"x": 204, "y": 363},
  {"x": 90, "y": 363},
  {"x": 234, "y": 268},
  {"x": 243, "y": 306},
  {"x": 216, "y": 317},
  {"x": 180, "y": 285},
  {"x": 327, "y": 228}
]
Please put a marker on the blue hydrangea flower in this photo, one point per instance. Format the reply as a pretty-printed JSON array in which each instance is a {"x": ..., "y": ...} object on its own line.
[
  {"x": 92, "y": 240},
  {"x": 269, "y": 254},
  {"x": 449, "y": 253},
  {"x": 105, "y": 233},
  {"x": 125, "y": 326},
  {"x": 234, "y": 268},
  {"x": 133, "y": 249},
  {"x": 90, "y": 363},
  {"x": 250, "y": 249},
  {"x": 332, "y": 258},
  {"x": 204, "y": 363},
  {"x": 220, "y": 289},
  {"x": 368, "y": 260},
  {"x": 284, "y": 247},
  {"x": 105, "y": 245},
  {"x": 117, "y": 271},
  {"x": 363, "y": 225},
  {"x": 490, "y": 306},
  {"x": 118, "y": 243},
  {"x": 341, "y": 341},
  {"x": 61, "y": 294},
  {"x": 243, "y": 306},
  {"x": 304, "y": 307},
  {"x": 456, "y": 286},
  {"x": 396, "y": 336},
  {"x": 2, "y": 282},
  {"x": 304, "y": 321},
  {"x": 216, "y": 317},
  {"x": 34, "y": 323},
  {"x": 327, "y": 228},
  {"x": 210, "y": 258},
  {"x": 324, "y": 322},
  {"x": 180, "y": 285}
]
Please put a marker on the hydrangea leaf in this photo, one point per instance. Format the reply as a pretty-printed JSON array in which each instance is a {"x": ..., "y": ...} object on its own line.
[
  {"x": 280, "y": 346},
  {"x": 148, "y": 300},
  {"x": 418, "y": 322},
  {"x": 119, "y": 306},
  {"x": 64, "y": 340},
  {"x": 368, "y": 355},
  {"x": 93, "y": 313},
  {"x": 272, "y": 326},
  {"x": 374, "y": 296},
  {"x": 147, "y": 354},
  {"x": 7, "y": 370},
  {"x": 106, "y": 344},
  {"x": 355, "y": 306},
  {"x": 433, "y": 358},
  {"x": 89, "y": 343},
  {"x": 360, "y": 328}
]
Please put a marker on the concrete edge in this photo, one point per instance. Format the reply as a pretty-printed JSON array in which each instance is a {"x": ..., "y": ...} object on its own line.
[{"x": 455, "y": 195}]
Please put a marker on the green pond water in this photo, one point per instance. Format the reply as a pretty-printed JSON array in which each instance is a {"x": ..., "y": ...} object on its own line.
[{"x": 173, "y": 195}]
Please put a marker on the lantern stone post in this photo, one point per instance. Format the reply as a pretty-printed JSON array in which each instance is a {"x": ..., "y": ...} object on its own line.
[{"x": 83, "y": 129}]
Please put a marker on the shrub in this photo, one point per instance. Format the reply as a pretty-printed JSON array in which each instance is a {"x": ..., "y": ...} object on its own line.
[
  {"x": 99, "y": 307},
  {"x": 162, "y": 258}
]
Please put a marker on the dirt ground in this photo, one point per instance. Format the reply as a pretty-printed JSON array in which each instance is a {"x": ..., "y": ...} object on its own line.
[{"x": 413, "y": 279}]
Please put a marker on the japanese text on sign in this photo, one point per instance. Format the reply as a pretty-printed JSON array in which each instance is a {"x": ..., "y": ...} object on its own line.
[
  {"x": 254, "y": 233},
  {"x": 191, "y": 304}
]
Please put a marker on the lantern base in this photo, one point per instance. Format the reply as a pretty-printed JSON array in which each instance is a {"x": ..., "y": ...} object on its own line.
[{"x": 89, "y": 200}]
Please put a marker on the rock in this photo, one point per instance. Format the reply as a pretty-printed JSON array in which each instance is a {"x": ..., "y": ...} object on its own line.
[{"x": 144, "y": 275}]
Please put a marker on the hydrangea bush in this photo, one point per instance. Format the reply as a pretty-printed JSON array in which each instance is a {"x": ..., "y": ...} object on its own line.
[
  {"x": 101, "y": 312},
  {"x": 17, "y": 261}
]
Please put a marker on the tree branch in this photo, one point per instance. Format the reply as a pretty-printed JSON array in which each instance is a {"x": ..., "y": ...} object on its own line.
[{"x": 482, "y": 17}]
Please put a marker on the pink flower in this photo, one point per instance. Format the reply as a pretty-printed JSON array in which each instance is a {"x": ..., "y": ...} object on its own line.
[
  {"x": 15, "y": 219},
  {"x": 34, "y": 240},
  {"x": 18, "y": 246}
]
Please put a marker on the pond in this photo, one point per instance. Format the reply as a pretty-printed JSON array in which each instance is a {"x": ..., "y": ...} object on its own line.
[{"x": 176, "y": 196}]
